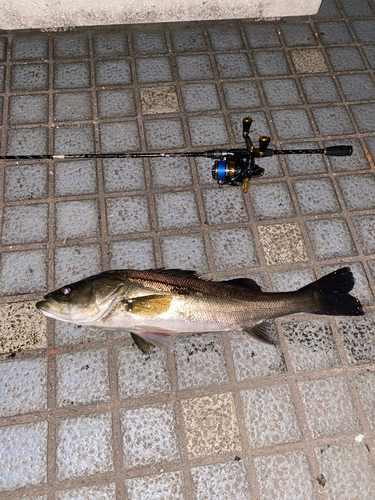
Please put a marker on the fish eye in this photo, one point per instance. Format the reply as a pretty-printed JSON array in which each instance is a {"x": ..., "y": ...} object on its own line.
[{"x": 66, "y": 290}]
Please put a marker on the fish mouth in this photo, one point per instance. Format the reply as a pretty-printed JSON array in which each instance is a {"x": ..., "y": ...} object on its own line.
[{"x": 50, "y": 310}]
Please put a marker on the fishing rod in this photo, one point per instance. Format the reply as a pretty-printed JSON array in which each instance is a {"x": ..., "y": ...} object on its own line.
[{"x": 232, "y": 166}]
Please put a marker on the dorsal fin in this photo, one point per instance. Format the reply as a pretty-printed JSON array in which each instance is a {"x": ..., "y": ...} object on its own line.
[
  {"x": 245, "y": 283},
  {"x": 181, "y": 273}
]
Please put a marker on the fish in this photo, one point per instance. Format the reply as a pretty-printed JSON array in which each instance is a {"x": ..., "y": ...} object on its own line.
[{"x": 155, "y": 305}]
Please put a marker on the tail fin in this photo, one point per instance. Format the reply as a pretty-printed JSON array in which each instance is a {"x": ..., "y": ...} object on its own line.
[{"x": 332, "y": 294}]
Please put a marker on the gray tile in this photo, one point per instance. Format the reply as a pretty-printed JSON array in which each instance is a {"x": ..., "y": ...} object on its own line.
[
  {"x": 71, "y": 75},
  {"x": 99, "y": 492},
  {"x": 224, "y": 206},
  {"x": 84, "y": 446},
  {"x": 233, "y": 65},
  {"x": 361, "y": 8},
  {"x": 186, "y": 40},
  {"x": 110, "y": 45},
  {"x": 225, "y": 38},
  {"x": 27, "y": 109},
  {"x": 241, "y": 95},
  {"x": 3, "y": 48},
  {"x": 311, "y": 345},
  {"x": 200, "y": 361},
  {"x": 370, "y": 143},
  {"x": 23, "y": 272},
  {"x": 127, "y": 214},
  {"x": 200, "y": 97},
  {"x": 75, "y": 177},
  {"x": 170, "y": 172},
  {"x": 319, "y": 89},
  {"x": 365, "y": 383},
  {"x": 24, "y": 386},
  {"x": 223, "y": 480},
  {"x": 77, "y": 219},
  {"x": 358, "y": 191},
  {"x": 149, "y": 435},
  {"x": 68, "y": 333},
  {"x": 116, "y": 103},
  {"x": 82, "y": 378},
  {"x": 262, "y": 36},
  {"x": 184, "y": 252},
  {"x": 25, "y": 182},
  {"x": 363, "y": 115},
  {"x": 115, "y": 72},
  {"x": 270, "y": 417},
  {"x": 27, "y": 48},
  {"x": 153, "y": 70},
  {"x": 272, "y": 168},
  {"x": 357, "y": 87},
  {"x": 333, "y": 121},
  {"x": 73, "y": 263},
  {"x": 330, "y": 238},
  {"x": 371, "y": 265},
  {"x": 207, "y": 130},
  {"x": 281, "y": 92},
  {"x": 23, "y": 456},
  {"x": 285, "y": 281},
  {"x": 149, "y": 43},
  {"x": 25, "y": 224},
  {"x": 271, "y": 201},
  {"x": 358, "y": 338},
  {"x": 29, "y": 77},
  {"x": 271, "y": 63},
  {"x": 369, "y": 51},
  {"x": 194, "y": 67},
  {"x": 357, "y": 161},
  {"x": 332, "y": 32},
  {"x": 345, "y": 58},
  {"x": 316, "y": 196},
  {"x": 365, "y": 29},
  {"x": 72, "y": 106},
  {"x": 119, "y": 137},
  {"x": 233, "y": 249},
  {"x": 338, "y": 462},
  {"x": 204, "y": 168},
  {"x": 168, "y": 486},
  {"x": 292, "y": 124},
  {"x": 140, "y": 374},
  {"x": 123, "y": 174},
  {"x": 365, "y": 228},
  {"x": 176, "y": 210},
  {"x": 74, "y": 139},
  {"x": 285, "y": 476},
  {"x": 298, "y": 34},
  {"x": 2, "y": 78},
  {"x": 164, "y": 134},
  {"x": 70, "y": 46},
  {"x": 132, "y": 254},
  {"x": 258, "y": 127}
]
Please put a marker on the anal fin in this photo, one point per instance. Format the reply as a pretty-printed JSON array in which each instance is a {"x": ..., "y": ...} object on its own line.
[{"x": 262, "y": 332}]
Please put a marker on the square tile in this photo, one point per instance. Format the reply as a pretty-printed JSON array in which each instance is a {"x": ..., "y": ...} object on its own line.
[
  {"x": 358, "y": 191},
  {"x": 23, "y": 272},
  {"x": 329, "y": 408},
  {"x": 168, "y": 486},
  {"x": 319, "y": 89},
  {"x": 271, "y": 63},
  {"x": 23, "y": 455},
  {"x": 285, "y": 476},
  {"x": 115, "y": 72},
  {"x": 292, "y": 123},
  {"x": 358, "y": 338},
  {"x": 281, "y": 92},
  {"x": 200, "y": 361},
  {"x": 333, "y": 121},
  {"x": 197, "y": 67},
  {"x": 262, "y": 36},
  {"x": 77, "y": 219},
  {"x": 72, "y": 75},
  {"x": 211, "y": 425},
  {"x": 233, "y": 249},
  {"x": 365, "y": 228},
  {"x": 259, "y": 125},
  {"x": 170, "y": 172},
  {"x": 224, "y": 480},
  {"x": 164, "y": 133},
  {"x": 362, "y": 8},
  {"x": 365, "y": 383},
  {"x": 332, "y": 32},
  {"x": 149, "y": 43},
  {"x": 311, "y": 345},
  {"x": 70, "y": 46},
  {"x": 84, "y": 446},
  {"x": 330, "y": 238},
  {"x": 140, "y": 374},
  {"x": 29, "y": 77},
  {"x": 357, "y": 87},
  {"x": 110, "y": 45},
  {"x": 345, "y": 58},
  {"x": 175, "y": 210},
  {"x": 224, "y": 206},
  {"x": 132, "y": 254},
  {"x": 75, "y": 177},
  {"x": 308, "y": 61},
  {"x": 74, "y": 139},
  {"x": 119, "y": 137},
  {"x": 370, "y": 144},
  {"x": 184, "y": 252},
  {"x": 123, "y": 174},
  {"x": 271, "y": 201},
  {"x": 153, "y": 70},
  {"x": 225, "y": 38},
  {"x": 159, "y": 99},
  {"x": 27, "y": 109},
  {"x": 270, "y": 417},
  {"x": 208, "y": 130},
  {"x": 365, "y": 28},
  {"x": 304, "y": 164},
  {"x": 128, "y": 214},
  {"x": 316, "y": 196},
  {"x": 73, "y": 263},
  {"x": 116, "y": 103},
  {"x": 24, "y": 386},
  {"x": 282, "y": 244},
  {"x": 25, "y": 224},
  {"x": 68, "y": 333},
  {"x": 100, "y": 492},
  {"x": 27, "y": 48},
  {"x": 363, "y": 115},
  {"x": 25, "y": 182},
  {"x": 82, "y": 378},
  {"x": 298, "y": 34},
  {"x": 3, "y": 48},
  {"x": 253, "y": 359},
  {"x": 286, "y": 281},
  {"x": 233, "y": 65},
  {"x": 339, "y": 462},
  {"x": 149, "y": 435},
  {"x": 72, "y": 106},
  {"x": 200, "y": 97},
  {"x": 27, "y": 141},
  {"x": 186, "y": 40},
  {"x": 369, "y": 51},
  {"x": 241, "y": 95},
  {"x": 357, "y": 161},
  {"x": 272, "y": 168},
  {"x": 2, "y": 78}
]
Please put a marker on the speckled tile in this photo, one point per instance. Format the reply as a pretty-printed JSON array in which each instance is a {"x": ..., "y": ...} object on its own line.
[
  {"x": 224, "y": 206},
  {"x": 208, "y": 130},
  {"x": 72, "y": 106},
  {"x": 316, "y": 196},
  {"x": 330, "y": 238},
  {"x": 358, "y": 338},
  {"x": 99, "y": 492},
  {"x": 271, "y": 201},
  {"x": 77, "y": 219},
  {"x": 175, "y": 210},
  {"x": 282, "y": 243},
  {"x": 29, "y": 48},
  {"x": 28, "y": 109},
  {"x": 153, "y": 70},
  {"x": 233, "y": 249},
  {"x": 205, "y": 419},
  {"x": 159, "y": 99},
  {"x": 70, "y": 46},
  {"x": 123, "y": 174},
  {"x": 116, "y": 72},
  {"x": 29, "y": 77},
  {"x": 73, "y": 139},
  {"x": 132, "y": 254},
  {"x": 68, "y": 333},
  {"x": 73, "y": 263},
  {"x": 365, "y": 383},
  {"x": 25, "y": 224},
  {"x": 170, "y": 172},
  {"x": 308, "y": 61},
  {"x": 75, "y": 177},
  {"x": 364, "y": 226},
  {"x": 27, "y": 141},
  {"x": 184, "y": 252},
  {"x": 23, "y": 272},
  {"x": 127, "y": 214},
  {"x": 285, "y": 281},
  {"x": 71, "y": 75},
  {"x": 168, "y": 486}
]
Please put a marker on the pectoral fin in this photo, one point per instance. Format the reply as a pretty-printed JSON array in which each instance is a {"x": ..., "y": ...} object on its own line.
[
  {"x": 149, "y": 305},
  {"x": 154, "y": 336},
  {"x": 143, "y": 345},
  {"x": 262, "y": 332}
]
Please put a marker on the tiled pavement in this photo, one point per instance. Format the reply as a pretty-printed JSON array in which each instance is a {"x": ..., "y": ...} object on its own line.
[{"x": 83, "y": 414}]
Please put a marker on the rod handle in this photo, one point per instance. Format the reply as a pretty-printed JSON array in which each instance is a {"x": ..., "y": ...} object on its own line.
[{"x": 339, "y": 151}]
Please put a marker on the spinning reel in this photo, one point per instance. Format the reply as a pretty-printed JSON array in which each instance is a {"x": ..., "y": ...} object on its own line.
[{"x": 232, "y": 166}]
